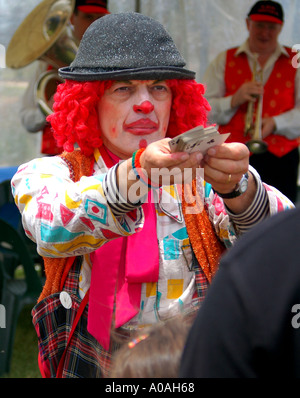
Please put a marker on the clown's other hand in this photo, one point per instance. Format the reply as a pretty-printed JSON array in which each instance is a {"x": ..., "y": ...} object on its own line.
[{"x": 224, "y": 166}]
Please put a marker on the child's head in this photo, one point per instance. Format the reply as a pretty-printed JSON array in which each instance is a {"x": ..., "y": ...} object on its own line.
[{"x": 154, "y": 352}]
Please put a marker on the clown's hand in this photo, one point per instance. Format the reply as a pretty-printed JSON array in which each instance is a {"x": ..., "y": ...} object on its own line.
[
  {"x": 224, "y": 167},
  {"x": 166, "y": 168},
  {"x": 156, "y": 166}
]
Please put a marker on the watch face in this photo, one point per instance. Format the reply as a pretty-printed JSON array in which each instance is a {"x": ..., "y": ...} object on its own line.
[{"x": 243, "y": 185}]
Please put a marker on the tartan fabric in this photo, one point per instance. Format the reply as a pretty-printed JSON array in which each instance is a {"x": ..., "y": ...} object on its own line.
[
  {"x": 85, "y": 358},
  {"x": 202, "y": 282}
]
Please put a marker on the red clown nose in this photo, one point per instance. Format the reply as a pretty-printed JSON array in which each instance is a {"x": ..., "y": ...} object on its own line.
[{"x": 145, "y": 107}]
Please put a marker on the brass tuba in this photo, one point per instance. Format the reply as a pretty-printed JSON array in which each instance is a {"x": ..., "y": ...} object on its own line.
[
  {"x": 253, "y": 119},
  {"x": 44, "y": 35}
]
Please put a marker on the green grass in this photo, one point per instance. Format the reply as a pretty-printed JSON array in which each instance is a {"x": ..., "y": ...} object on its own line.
[
  {"x": 25, "y": 351},
  {"x": 24, "y": 363}
]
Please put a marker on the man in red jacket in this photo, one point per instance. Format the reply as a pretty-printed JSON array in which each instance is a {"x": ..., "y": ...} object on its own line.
[{"x": 231, "y": 86}]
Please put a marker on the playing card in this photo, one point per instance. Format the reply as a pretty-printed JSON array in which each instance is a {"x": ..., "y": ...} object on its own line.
[
  {"x": 197, "y": 139},
  {"x": 178, "y": 143},
  {"x": 208, "y": 142}
]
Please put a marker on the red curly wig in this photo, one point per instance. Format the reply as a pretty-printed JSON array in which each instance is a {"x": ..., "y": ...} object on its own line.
[{"x": 75, "y": 117}]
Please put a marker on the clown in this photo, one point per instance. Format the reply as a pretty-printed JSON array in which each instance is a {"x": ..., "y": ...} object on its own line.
[{"x": 115, "y": 263}]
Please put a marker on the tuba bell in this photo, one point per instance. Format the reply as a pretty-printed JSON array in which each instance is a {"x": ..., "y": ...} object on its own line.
[
  {"x": 44, "y": 35},
  {"x": 253, "y": 118},
  {"x": 45, "y": 88}
]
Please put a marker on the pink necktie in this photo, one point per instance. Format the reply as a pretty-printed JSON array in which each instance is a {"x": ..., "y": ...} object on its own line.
[{"x": 120, "y": 266}]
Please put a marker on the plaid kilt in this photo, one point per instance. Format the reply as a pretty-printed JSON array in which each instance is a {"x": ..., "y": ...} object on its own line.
[{"x": 84, "y": 358}]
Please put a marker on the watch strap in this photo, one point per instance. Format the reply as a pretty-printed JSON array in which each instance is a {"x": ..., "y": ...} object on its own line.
[{"x": 235, "y": 193}]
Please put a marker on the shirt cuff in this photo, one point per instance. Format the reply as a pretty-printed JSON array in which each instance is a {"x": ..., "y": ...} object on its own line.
[
  {"x": 225, "y": 105},
  {"x": 257, "y": 211},
  {"x": 119, "y": 206}
]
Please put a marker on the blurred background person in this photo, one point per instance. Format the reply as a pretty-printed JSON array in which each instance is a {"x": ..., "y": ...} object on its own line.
[
  {"x": 33, "y": 118},
  {"x": 258, "y": 80},
  {"x": 248, "y": 325}
]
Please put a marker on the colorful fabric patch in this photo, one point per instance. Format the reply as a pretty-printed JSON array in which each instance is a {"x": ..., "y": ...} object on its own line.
[
  {"x": 157, "y": 302},
  {"x": 207, "y": 189},
  {"x": 66, "y": 215},
  {"x": 44, "y": 192},
  {"x": 56, "y": 234},
  {"x": 87, "y": 222},
  {"x": 44, "y": 212},
  {"x": 181, "y": 234},
  {"x": 70, "y": 203},
  {"x": 175, "y": 288},
  {"x": 97, "y": 211},
  {"x": 151, "y": 289},
  {"x": 171, "y": 248}
]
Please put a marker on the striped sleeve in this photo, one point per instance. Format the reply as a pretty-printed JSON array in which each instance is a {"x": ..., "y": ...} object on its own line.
[
  {"x": 117, "y": 203},
  {"x": 255, "y": 213}
]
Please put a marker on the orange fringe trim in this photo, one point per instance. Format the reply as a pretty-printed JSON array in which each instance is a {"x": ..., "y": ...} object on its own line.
[{"x": 205, "y": 243}]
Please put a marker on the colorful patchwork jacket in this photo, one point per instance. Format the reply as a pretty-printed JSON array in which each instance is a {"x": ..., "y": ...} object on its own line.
[{"x": 67, "y": 218}]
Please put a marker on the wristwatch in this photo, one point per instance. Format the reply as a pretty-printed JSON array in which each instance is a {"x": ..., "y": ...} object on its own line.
[{"x": 239, "y": 189}]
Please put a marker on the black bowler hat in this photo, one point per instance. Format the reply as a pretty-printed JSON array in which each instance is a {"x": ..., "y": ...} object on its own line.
[
  {"x": 269, "y": 11},
  {"x": 126, "y": 46}
]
